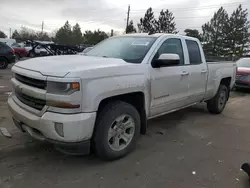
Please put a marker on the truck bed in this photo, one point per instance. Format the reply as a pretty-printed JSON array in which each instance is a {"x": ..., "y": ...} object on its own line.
[{"x": 218, "y": 70}]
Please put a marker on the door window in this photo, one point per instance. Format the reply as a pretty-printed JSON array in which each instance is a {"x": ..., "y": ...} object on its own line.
[
  {"x": 172, "y": 46},
  {"x": 194, "y": 52}
]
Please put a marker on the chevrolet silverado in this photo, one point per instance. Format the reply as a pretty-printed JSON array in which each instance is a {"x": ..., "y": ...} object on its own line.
[{"x": 103, "y": 99}]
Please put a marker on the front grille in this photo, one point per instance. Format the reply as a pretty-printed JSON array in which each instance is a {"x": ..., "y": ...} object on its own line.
[
  {"x": 30, "y": 101},
  {"x": 241, "y": 76},
  {"x": 238, "y": 83},
  {"x": 41, "y": 84}
]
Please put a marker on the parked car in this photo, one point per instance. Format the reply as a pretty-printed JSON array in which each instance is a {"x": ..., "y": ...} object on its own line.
[
  {"x": 38, "y": 51},
  {"x": 19, "y": 51},
  {"x": 243, "y": 73},
  {"x": 85, "y": 50},
  {"x": 7, "y": 41},
  {"x": 7, "y": 55},
  {"x": 104, "y": 99}
]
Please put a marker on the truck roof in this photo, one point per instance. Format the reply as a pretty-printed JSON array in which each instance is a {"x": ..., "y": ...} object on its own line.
[{"x": 159, "y": 35}]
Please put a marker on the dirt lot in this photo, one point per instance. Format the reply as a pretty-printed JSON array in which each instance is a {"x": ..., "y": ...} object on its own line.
[{"x": 187, "y": 149}]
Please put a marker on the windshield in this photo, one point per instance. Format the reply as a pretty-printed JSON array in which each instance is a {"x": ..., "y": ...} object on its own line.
[
  {"x": 243, "y": 62},
  {"x": 16, "y": 45},
  {"x": 131, "y": 49},
  {"x": 87, "y": 49}
]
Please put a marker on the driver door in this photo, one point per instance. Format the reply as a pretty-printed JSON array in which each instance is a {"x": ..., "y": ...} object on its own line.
[{"x": 169, "y": 85}]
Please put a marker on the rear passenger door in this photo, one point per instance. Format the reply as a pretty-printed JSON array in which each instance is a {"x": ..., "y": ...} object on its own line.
[{"x": 197, "y": 72}]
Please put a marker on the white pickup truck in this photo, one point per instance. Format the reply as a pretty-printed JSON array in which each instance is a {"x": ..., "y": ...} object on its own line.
[{"x": 102, "y": 100}]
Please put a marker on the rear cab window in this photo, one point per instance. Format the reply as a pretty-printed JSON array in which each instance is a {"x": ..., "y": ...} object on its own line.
[{"x": 194, "y": 52}]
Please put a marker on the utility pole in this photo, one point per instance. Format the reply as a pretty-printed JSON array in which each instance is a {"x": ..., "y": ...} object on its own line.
[
  {"x": 10, "y": 34},
  {"x": 42, "y": 26},
  {"x": 128, "y": 17}
]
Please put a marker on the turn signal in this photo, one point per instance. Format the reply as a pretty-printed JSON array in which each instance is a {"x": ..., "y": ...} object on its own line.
[{"x": 60, "y": 104}]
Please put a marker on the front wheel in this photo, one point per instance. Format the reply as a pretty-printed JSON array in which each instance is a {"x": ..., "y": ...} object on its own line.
[
  {"x": 217, "y": 104},
  {"x": 117, "y": 129},
  {"x": 3, "y": 64}
]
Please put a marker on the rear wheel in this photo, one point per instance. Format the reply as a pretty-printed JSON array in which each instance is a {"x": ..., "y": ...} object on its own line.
[
  {"x": 217, "y": 104},
  {"x": 32, "y": 54},
  {"x": 117, "y": 129},
  {"x": 3, "y": 63}
]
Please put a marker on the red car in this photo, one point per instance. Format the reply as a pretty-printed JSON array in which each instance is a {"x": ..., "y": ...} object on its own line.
[
  {"x": 19, "y": 51},
  {"x": 243, "y": 73}
]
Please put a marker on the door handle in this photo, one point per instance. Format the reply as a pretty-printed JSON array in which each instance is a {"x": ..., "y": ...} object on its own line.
[
  {"x": 203, "y": 71},
  {"x": 185, "y": 73}
]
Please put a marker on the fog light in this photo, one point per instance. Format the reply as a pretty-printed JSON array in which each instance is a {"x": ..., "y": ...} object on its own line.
[{"x": 59, "y": 129}]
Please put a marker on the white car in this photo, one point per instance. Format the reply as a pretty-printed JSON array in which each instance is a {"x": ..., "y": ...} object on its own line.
[
  {"x": 39, "y": 50},
  {"x": 105, "y": 98}
]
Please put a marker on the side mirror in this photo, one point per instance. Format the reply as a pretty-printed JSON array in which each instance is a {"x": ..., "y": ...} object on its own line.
[{"x": 166, "y": 60}]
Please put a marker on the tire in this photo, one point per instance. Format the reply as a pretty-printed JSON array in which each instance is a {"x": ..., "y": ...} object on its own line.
[
  {"x": 17, "y": 57},
  {"x": 3, "y": 63},
  {"x": 32, "y": 54},
  {"x": 217, "y": 104},
  {"x": 107, "y": 121},
  {"x": 237, "y": 89}
]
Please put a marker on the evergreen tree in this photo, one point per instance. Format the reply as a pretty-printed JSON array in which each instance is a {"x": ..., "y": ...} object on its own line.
[
  {"x": 2, "y": 35},
  {"x": 193, "y": 33},
  {"x": 166, "y": 23},
  {"x": 95, "y": 37},
  {"x": 147, "y": 24},
  {"x": 16, "y": 35},
  {"x": 214, "y": 34},
  {"x": 131, "y": 28},
  {"x": 238, "y": 31},
  {"x": 64, "y": 34},
  {"x": 77, "y": 34}
]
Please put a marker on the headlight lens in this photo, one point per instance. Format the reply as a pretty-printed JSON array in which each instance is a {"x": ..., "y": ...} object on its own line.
[{"x": 62, "y": 88}]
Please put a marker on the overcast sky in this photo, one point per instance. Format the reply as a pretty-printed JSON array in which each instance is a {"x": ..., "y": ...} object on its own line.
[{"x": 105, "y": 14}]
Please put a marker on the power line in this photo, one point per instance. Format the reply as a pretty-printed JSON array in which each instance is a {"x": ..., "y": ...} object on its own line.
[
  {"x": 108, "y": 18},
  {"x": 198, "y": 8}
]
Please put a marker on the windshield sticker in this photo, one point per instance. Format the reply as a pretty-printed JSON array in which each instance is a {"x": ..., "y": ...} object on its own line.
[{"x": 140, "y": 43}]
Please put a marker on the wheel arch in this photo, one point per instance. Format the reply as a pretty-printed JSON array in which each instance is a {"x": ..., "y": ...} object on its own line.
[
  {"x": 227, "y": 82},
  {"x": 136, "y": 99}
]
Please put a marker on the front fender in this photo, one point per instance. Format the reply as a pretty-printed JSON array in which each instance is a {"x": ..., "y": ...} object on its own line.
[{"x": 98, "y": 89}]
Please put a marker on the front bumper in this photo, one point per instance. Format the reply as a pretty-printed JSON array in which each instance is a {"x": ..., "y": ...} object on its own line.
[
  {"x": 239, "y": 84},
  {"x": 76, "y": 127}
]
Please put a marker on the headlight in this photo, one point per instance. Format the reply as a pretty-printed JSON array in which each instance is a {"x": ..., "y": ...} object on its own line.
[{"x": 62, "y": 88}]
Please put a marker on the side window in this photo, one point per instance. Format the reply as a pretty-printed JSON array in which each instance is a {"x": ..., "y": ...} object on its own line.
[
  {"x": 194, "y": 52},
  {"x": 172, "y": 46},
  {"x": 4, "y": 46}
]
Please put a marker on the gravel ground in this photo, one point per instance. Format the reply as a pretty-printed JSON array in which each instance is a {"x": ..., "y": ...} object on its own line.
[{"x": 189, "y": 148}]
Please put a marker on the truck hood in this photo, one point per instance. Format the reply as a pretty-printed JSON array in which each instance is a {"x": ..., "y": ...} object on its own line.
[
  {"x": 243, "y": 70},
  {"x": 60, "y": 66}
]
